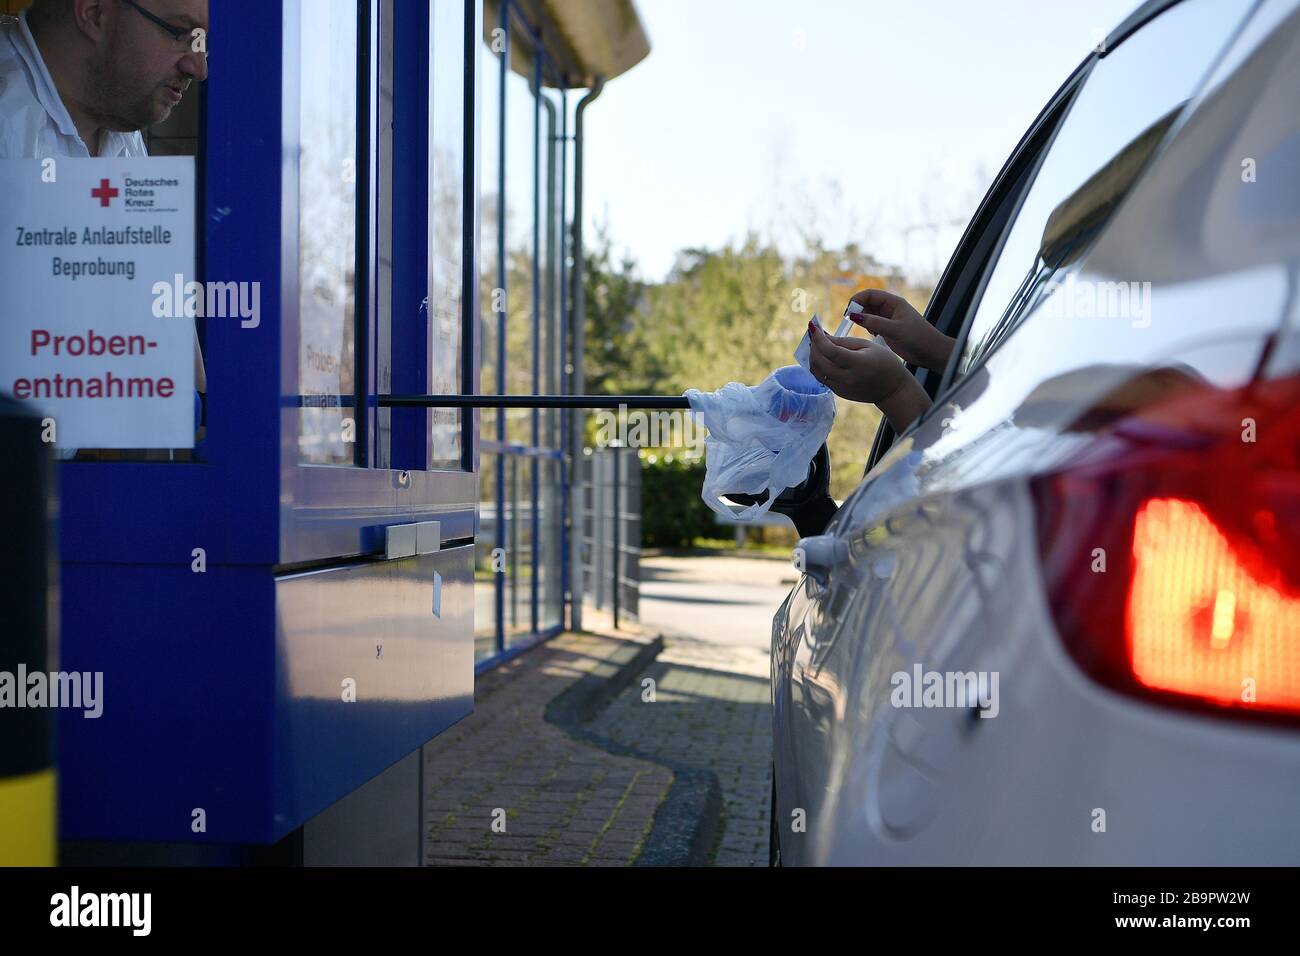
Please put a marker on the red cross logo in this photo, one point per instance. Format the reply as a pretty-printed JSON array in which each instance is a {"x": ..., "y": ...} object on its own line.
[{"x": 105, "y": 193}]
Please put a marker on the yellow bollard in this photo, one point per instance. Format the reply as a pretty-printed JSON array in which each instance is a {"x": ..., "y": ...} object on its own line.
[
  {"x": 27, "y": 767},
  {"x": 27, "y": 822}
]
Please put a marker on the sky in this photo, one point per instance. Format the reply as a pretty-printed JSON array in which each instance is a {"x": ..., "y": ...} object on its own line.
[{"x": 875, "y": 121}]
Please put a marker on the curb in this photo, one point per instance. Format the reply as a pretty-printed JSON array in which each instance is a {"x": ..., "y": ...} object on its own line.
[
  {"x": 589, "y": 694},
  {"x": 688, "y": 822}
]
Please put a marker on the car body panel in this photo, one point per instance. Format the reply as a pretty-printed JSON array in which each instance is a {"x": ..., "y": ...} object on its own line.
[{"x": 943, "y": 566}]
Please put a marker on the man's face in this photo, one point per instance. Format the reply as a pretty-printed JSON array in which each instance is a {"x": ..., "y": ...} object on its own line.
[{"x": 139, "y": 73}]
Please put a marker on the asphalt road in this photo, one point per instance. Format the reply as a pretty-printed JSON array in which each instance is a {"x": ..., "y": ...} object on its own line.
[{"x": 719, "y": 600}]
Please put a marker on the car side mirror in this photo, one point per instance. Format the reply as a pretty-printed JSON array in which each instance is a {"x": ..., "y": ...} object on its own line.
[{"x": 808, "y": 504}]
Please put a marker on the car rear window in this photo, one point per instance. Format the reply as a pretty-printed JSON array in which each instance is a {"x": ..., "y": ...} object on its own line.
[{"x": 1130, "y": 100}]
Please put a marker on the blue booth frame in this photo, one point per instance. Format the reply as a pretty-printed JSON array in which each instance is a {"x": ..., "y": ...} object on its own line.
[{"x": 218, "y": 724}]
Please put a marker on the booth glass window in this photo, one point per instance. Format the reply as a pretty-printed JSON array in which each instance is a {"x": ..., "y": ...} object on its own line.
[
  {"x": 446, "y": 228},
  {"x": 488, "y": 560},
  {"x": 520, "y": 266},
  {"x": 521, "y": 220},
  {"x": 550, "y": 500},
  {"x": 490, "y": 283},
  {"x": 520, "y": 553},
  {"x": 327, "y": 234}
]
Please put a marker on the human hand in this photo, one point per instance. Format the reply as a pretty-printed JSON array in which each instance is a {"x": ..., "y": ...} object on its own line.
[
  {"x": 904, "y": 330},
  {"x": 853, "y": 368},
  {"x": 863, "y": 371}
]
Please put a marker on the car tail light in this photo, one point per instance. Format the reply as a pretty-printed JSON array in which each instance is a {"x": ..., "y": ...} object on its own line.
[{"x": 1171, "y": 551}]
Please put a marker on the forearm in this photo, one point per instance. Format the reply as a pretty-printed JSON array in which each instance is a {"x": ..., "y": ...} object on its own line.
[
  {"x": 904, "y": 404},
  {"x": 941, "y": 349}
]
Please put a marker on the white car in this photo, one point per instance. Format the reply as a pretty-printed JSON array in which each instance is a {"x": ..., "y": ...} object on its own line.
[{"x": 1059, "y": 620}]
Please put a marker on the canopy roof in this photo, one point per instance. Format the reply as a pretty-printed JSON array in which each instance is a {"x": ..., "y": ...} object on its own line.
[{"x": 583, "y": 39}]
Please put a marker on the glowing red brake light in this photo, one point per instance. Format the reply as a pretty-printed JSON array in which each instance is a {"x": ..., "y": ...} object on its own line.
[
  {"x": 1199, "y": 622},
  {"x": 1172, "y": 558}
]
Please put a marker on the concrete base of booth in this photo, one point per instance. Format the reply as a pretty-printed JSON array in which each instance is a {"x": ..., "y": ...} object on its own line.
[{"x": 378, "y": 824}]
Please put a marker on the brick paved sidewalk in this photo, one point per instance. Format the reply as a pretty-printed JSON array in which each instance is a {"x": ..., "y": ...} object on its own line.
[
  {"x": 712, "y": 709},
  {"x": 505, "y": 787}
]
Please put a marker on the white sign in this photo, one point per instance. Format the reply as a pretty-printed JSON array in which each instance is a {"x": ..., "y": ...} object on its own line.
[{"x": 81, "y": 338}]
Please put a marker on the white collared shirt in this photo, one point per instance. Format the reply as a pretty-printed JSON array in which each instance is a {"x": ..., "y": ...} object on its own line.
[{"x": 34, "y": 123}]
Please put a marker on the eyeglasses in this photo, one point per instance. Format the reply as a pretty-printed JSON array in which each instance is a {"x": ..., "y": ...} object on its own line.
[{"x": 182, "y": 37}]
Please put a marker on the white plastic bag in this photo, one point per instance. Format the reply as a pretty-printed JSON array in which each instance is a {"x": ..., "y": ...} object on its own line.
[{"x": 761, "y": 437}]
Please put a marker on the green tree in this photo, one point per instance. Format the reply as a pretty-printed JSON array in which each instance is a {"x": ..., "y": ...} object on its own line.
[
  {"x": 613, "y": 296},
  {"x": 732, "y": 314}
]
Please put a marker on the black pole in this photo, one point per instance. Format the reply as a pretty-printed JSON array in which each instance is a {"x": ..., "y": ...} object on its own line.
[
  {"x": 495, "y": 401},
  {"x": 530, "y": 401}
]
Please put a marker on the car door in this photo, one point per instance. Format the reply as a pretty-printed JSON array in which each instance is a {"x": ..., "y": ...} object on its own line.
[
  {"x": 808, "y": 696},
  {"x": 916, "y": 573}
]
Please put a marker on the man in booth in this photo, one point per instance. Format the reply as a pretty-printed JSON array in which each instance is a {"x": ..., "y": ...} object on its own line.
[{"x": 82, "y": 78}]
